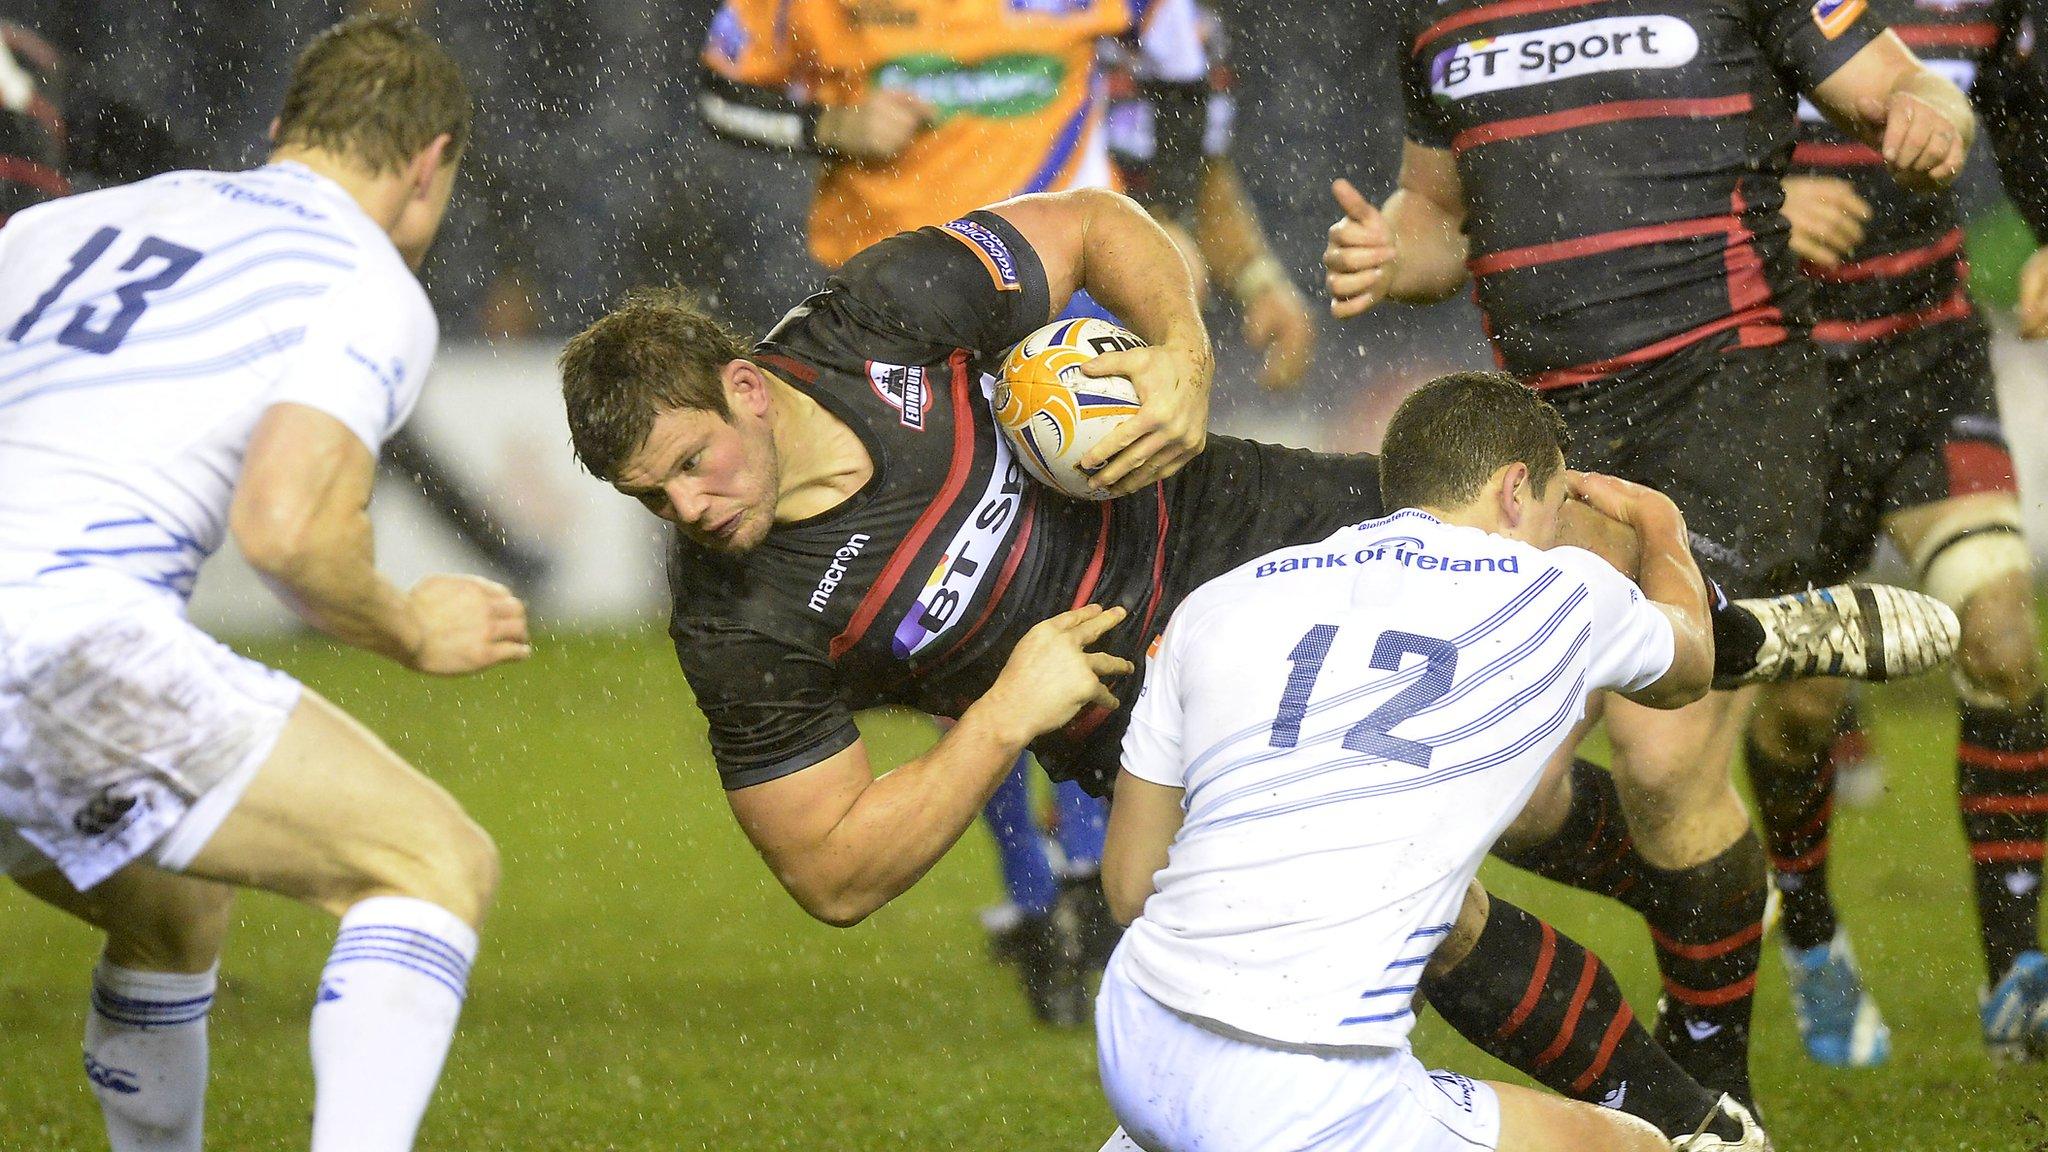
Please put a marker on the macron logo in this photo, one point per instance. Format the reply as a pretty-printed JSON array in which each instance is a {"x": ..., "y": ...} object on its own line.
[
  {"x": 822, "y": 594},
  {"x": 1524, "y": 59}
]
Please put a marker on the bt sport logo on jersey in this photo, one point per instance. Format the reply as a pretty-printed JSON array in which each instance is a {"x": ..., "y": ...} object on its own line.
[{"x": 1524, "y": 59}]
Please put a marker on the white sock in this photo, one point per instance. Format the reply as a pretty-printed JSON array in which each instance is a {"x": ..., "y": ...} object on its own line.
[
  {"x": 386, "y": 1011},
  {"x": 145, "y": 1053}
]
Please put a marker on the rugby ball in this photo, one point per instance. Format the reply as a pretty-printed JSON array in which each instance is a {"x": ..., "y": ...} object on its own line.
[{"x": 1051, "y": 413}]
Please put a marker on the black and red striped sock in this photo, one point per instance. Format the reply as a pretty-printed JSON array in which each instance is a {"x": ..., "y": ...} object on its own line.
[
  {"x": 1535, "y": 999},
  {"x": 1795, "y": 801},
  {"x": 1592, "y": 849},
  {"x": 2002, "y": 784},
  {"x": 1707, "y": 922}
]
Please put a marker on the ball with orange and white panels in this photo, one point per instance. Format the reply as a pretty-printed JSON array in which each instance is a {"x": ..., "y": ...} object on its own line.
[{"x": 1051, "y": 412}]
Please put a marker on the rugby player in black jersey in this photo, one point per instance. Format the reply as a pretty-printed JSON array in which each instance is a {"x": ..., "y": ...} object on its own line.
[
  {"x": 1919, "y": 455},
  {"x": 852, "y": 531},
  {"x": 1607, "y": 173}
]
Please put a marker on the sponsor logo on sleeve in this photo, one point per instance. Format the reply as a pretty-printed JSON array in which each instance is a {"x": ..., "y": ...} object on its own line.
[
  {"x": 903, "y": 388},
  {"x": 1586, "y": 48},
  {"x": 1835, "y": 17},
  {"x": 989, "y": 247},
  {"x": 728, "y": 39}
]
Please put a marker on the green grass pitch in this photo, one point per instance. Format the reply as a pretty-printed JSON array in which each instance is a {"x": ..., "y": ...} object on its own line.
[{"x": 645, "y": 985}]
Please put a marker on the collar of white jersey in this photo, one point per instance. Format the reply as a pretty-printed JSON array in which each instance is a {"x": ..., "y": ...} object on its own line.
[
  {"x": 327, "y": 185},
  {"x": 1395, "y": 517}
]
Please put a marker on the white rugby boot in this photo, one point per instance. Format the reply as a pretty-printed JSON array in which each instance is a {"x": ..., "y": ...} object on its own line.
[
  {"x": 1753, "y": 1138},
  {"x": 1862, "y": 631}
]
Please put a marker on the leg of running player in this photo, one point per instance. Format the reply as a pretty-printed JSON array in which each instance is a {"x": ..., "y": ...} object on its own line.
[
  {"x": 1792, "y": 772},
  {"x": 1666, "y": 834},
  {"x": 336, "y": 820},
  {"x": 1968, "y": 552},
  {"x": 1025, "y": 932},
  {"x": 145, "y": 1030},
  {"x": 1703, "y": 884},
  {"x": 1533, "y": 998}
]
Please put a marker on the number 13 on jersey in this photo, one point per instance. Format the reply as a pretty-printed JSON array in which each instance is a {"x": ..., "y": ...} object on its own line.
[{"x": 1373, "y": 734}]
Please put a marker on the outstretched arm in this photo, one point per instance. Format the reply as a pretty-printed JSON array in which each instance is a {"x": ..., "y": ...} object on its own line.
[{"x": 844, "y": 841}]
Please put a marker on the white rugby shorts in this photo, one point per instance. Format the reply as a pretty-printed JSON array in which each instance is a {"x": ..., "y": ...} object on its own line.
[
  {"x": 125, "y": 732},
  {"x": 1178, "y": 1086}
]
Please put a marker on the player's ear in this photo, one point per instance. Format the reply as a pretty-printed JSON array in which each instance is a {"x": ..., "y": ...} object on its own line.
[
  {"x": 426, "y": 165},
  {"x": 746, "y": 387},
  {"x": 1515, "y": 493}
]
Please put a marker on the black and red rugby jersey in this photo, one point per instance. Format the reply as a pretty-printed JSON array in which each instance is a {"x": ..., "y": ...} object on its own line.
[
  {"x": 1909, "y": 271},
  {"x": 2012, "y": 100},
  {"x": 915, "y": 590},
  {"x": 1621, "y": 162}
]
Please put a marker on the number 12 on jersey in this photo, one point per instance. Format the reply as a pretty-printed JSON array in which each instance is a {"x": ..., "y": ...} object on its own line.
[{"x": 1371, "y": 735}]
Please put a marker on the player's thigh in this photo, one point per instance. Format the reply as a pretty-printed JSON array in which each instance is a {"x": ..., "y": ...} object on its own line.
[
  {"x": 1532, "y": 1121},
  {"x": 154, "y": 920},
  {"x": 1676, "y": 756},
  {"x": 1796, "y": 719},
  {"x": 334, "y": 816},
  {"x": 1968, "y": 552}
]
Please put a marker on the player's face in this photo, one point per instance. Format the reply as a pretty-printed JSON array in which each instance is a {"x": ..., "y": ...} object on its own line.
[{"x": 714, "y": 479}]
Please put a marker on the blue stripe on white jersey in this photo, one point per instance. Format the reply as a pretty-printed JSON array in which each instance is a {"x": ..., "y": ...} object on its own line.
[
  {"x": 1353, "y": 723},
  {"x": 145, "y": 329}
]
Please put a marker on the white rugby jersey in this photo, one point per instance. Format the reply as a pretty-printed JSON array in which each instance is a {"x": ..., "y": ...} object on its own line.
[
  {"x": 1355, "y": 722},
  {"x": 145, "y": 328}
]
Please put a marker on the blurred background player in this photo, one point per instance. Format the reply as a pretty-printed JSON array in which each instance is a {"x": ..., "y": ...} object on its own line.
[
  {"x": 924, "y": 109},
  {"x": 200, "y": 354},
  {"x": 1675, "y": 347},
  {"x": 1920, "y": 456},
  {"x": 31, "y": 125}
]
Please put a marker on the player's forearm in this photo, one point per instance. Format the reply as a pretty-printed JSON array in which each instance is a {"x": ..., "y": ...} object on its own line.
[
  {"x": 1227, "y": 229},
  {"x": 1432, "y": 246},
  {"x": 1671, "y": 579},
  {"x": 1131, "y": 266},
  {"x": 905, "y": 821},
  {"x": 758, "y": 117},
  {"x": 326, "y": 573}
]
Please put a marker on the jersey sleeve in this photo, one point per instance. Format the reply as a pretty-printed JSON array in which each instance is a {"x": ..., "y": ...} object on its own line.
[
  {"x": 972, "y": 283},
  {"x": 772, "y": 708},
  {"x": 1809, "y": 39},
  {"x": 1425, "y": 122},
  {"x": 1632, "y": 643},
  {"x": 749, "y": 43},
  {"x": 1152, "y": 743},
  {"x": 2012, "y": 101},
  {"x": 366, "y": 354},
  {"x": 748, "y": 91}
]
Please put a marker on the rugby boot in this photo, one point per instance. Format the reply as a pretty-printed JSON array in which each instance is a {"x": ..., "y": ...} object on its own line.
[
  {"x": 1838, "y": 1021},
  {"x": 1044, "y": 949},
  {"x": 1081, "y": 894},
  {"x": 1861, "y": 631},
  {"x": 2015, "y": 1014},
  {"x": 1706, "y": 1140}
]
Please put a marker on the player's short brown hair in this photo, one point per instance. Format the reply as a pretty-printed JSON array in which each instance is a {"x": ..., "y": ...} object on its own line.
[
  {"x": 1449, "y": 437},
  {"x": 658, "y": 350},
  {"x": 375, "y": 88}
]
